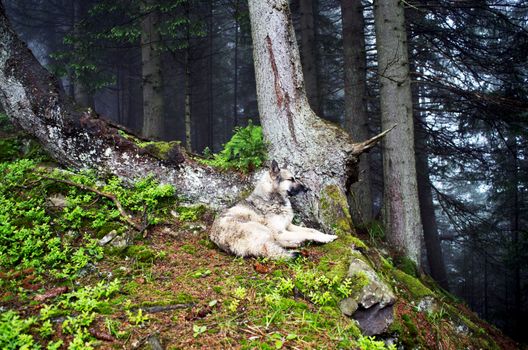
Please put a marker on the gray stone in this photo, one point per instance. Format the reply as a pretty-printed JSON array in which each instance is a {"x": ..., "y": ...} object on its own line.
[
  {"x": 108, "y": 238},
  {"x": 348, "y": 306},
  {"x": 374, "y": 320},
  {"x": 376, "y": 292},
  {"x": 121, "y": 241},
  {"x": 427, "y": 305},
  {"x": 58, "y": 200}
]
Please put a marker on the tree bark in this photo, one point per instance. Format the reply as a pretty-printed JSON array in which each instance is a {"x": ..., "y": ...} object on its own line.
[
  {"x": 356, "y": 118},
  {"x": 322, "y": 154},
  {"x": 308, "y": 53},
  {"x": 401, "y": 211},
  {"x": 151, "y": 72}
]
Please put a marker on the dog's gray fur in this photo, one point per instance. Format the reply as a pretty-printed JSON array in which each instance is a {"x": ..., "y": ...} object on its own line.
[{"x": 261, "y": 225}]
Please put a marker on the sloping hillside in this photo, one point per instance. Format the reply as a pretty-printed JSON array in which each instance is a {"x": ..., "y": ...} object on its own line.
[{"x": 78, "y": 272}]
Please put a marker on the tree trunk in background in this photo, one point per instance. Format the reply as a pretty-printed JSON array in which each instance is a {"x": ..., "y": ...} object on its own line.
[
  {"x": 401, "y": 211},
  {"x": 187, "y": 112},
  {"x": 321, "y": 153},
  {"x": 515, "y": 229},
  {"x": 81, "y": 93},
  {"x": 153, "y": 125},
  {"x": 433, "y": 246},
  {"x": 187, "y": 84},
  {"x": 235, "y": 64},
  {"x": 308, "y": 53},
  {"x": 210, "y": 92},
  {"x": 356, "y": 118}
]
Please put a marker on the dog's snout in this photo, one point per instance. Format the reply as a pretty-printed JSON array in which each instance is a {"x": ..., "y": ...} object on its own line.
[{"x": 303, "y": 188}]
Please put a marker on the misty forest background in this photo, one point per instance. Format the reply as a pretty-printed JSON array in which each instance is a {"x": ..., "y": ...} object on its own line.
[{"x": 183, "y": 70}]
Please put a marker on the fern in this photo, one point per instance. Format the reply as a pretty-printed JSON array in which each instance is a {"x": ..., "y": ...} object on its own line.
[{"x": 246, "y": 151}]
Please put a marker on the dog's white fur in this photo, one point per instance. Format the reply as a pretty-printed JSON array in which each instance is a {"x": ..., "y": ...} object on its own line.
[{"x": 261, "y": 225}]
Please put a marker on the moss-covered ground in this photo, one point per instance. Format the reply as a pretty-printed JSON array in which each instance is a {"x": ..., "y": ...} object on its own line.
[{"x": 171, "y": 286}]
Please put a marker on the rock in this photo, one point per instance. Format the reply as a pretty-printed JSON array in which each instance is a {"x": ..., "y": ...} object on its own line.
[
  {"x": 427, "y": 305},
  {"x": 376, "y": 292},
  {"x": 108, "y": 238},
  {"x": 154, "y": 343},
  {"x": 58, "y": 200},
  {"x": 374, "y": 320},
  {"x": 115, "y": 240},
  {"x": 348, "y": 306}
]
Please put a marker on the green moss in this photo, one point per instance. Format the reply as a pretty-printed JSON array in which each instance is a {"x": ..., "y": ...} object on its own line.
[
  {"x": 160, "y": 149},
  {"x": 412, "y": 284},
  {"x": 188, "y": 248},
  {"x": 407, "y": 265},
  {"x": 191, "y": 213},
  {"x": 141, "y": 253},
  {"x": 334, "y": 210}
]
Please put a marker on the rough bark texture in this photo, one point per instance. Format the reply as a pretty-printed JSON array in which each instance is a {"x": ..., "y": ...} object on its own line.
[
  {"x": 151, "y": 73},
  {"x": 308, "y": 53},
  {"x": 34, "y": 101},
  {"x": 356, "y": 118},
  {"x": 321, "y": 153},
  {"x": 401, "y": 211}
]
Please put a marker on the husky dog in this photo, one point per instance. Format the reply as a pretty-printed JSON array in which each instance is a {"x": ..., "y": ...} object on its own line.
[{"x": 261, "y": 225}]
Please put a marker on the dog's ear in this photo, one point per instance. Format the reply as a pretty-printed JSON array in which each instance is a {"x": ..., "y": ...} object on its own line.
[{"x": 274, "y": 169}]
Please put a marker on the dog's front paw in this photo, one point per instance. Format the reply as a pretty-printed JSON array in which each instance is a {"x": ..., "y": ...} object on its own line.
[{"x": 327, "y": 238}]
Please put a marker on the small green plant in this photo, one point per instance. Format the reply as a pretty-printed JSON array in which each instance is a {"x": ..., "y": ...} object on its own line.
[
  {"x": 245, "y": 152},
  {"x": 201, "y": 273},
  {"x": 197, "y": 330},
  {"x": 14, "y": 331},
  {"x": 370, "y": 343},
  {"x": 137, "y": 318}
]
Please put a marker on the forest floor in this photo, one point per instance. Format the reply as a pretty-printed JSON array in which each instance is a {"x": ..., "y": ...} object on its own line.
[{"x": 63, "y": 286}]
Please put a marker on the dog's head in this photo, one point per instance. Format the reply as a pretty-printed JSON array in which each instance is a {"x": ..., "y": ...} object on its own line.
[{"x": 284, "y": 182}]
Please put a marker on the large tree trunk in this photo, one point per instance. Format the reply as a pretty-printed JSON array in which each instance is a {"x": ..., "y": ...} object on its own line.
[
  {"x": 321, "y": 153},
  {"x": 151, "y": 73},
  {"x": 401, "y": 211},
  {"x": 356, "y": 118}
]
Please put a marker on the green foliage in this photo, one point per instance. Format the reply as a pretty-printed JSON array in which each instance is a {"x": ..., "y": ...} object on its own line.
[
  {"x": 14, "y": 331},
  {"x": 191, "y": 213},
  {"x": 113, "y": 27},
  {"x": 323, "y": 291},
  {"x": 137, "y": 318},
  {"x": 370, "y": 343},
  {"x": 245, "y": 152},
  {"x": 81, "y": 306}
]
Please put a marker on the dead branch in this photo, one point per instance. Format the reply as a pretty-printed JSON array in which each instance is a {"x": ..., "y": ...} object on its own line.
[{"x": 365, "y": 146}]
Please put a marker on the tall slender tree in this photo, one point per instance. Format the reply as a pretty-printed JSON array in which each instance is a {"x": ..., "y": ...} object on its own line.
[
  {"x": 153, "y": 122},
  {"x": 401, "y": 211},
  {"x": 356, "y": 118}
]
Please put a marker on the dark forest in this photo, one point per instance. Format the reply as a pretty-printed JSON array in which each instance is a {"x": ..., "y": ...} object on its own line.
[{"x": 442, "y": 196}]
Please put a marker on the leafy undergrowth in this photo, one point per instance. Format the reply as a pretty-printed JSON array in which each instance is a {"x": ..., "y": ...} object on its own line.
[{"x": 169, "y": 285}]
